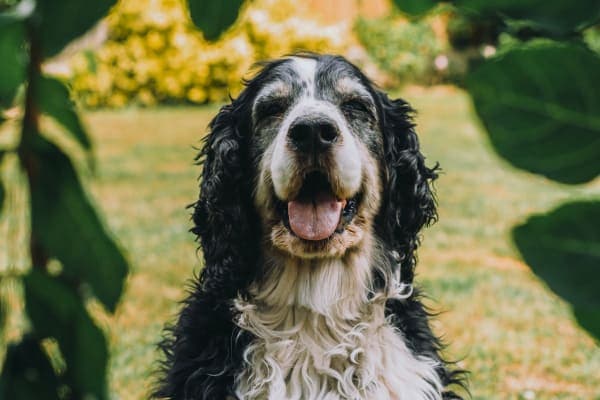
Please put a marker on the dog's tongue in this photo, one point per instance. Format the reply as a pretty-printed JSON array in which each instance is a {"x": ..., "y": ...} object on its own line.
[{"x": 315, "y": 218}]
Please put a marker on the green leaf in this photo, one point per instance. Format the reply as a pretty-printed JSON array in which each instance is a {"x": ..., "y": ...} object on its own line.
[
  {"x": 14, "y": 60},
  {"x": 556, "y": 16},
  {"x": 54, "y": 100},
  {"x": 13, "y": 52},
  {"x": 416, "y": 7},
  {"x": 214, "y": 17},
  {"x": 68, "y": 228},
  {"x": 19, "y": 12},
  {"x": 27, "y": 373},
  {"x": 563, "y": 248},
  {"x": 64, "y": 20},
  {"x": 541, "y": 107},
  {"x": 57, "y": 311}
]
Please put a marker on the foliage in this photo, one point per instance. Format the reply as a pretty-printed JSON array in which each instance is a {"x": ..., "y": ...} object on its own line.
[
  {"x": 212, "y": 16},
  {"x": 65, "y": 230},
  {"x": 592, "y": 38},
  {"x": 14, "y": 56},
  {"x": 549, "y": 18},
  {"x": 562, "y": 238},
  {"x": 522, "y": 101},
  {"x": 154, "y": 55},
  {"x": 64, "y": 225},
  {"x": 62, "y": 21},
  {"x": 537, "y": 99},
  {"x": 405, "y": 49}
]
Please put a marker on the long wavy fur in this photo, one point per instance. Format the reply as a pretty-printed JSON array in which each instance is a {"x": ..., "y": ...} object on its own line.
[{"x": 409, "y": 205}]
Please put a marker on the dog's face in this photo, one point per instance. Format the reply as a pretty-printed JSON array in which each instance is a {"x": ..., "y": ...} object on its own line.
[
  {"x": 313, "y": 161},
  {"x": 317, "y": 143}
]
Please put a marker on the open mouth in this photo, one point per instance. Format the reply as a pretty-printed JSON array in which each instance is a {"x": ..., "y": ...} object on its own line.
[{"x": 317, "y": 213}]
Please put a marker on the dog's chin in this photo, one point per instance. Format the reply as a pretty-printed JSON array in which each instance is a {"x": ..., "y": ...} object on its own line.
[{"x": 317, "y": 223}]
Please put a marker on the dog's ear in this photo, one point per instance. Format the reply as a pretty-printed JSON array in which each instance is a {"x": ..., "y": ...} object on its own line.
[
  {"x": 224, "y": 218},
  {"x": 200, "y": 352},
  {"x": 408, "y": 200}
]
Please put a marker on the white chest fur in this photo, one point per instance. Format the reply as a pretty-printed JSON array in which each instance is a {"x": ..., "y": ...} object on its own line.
[{"x": 318, "y": 337}]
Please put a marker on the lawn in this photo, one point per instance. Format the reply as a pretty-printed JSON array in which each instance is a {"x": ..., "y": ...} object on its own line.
[{"x": 517, "y": 338}]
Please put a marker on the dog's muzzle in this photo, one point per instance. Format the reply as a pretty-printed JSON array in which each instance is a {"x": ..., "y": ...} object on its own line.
[
  {"x": 316, "y": 176},
  {"x": 315, "y": 213}
]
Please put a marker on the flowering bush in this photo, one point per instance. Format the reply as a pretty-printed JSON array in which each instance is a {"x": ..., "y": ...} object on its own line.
[{"x": 154, "y": 54}]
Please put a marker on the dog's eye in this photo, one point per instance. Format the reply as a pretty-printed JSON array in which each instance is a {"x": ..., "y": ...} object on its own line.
[
  {"x": 270, "y": 109},
  {"x": 356, "y": 106}
]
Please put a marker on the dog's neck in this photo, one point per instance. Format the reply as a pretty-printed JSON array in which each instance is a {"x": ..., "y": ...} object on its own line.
[
  {"x": 335, "y": 288},
  {"x": 321, "y": 333}
]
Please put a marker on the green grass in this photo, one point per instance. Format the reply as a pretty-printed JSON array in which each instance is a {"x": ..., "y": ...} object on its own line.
[{"x": 518, "y": 339}]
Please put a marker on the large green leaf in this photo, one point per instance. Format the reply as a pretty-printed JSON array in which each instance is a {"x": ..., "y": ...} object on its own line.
[
  {"x": 13, "y": 53},
  {"x": 27, "y": 373},
  {"x": 55, "y": 310},
  {"x": 54, "y": 100},
  {"x": 541, "y": 107},
  {"x": 68, "y": 227},
  {"x": 13, "y": 60},
  {"x": 555, "y": 16},
  {"x": 214, "y": 17},
  {"x": 64, "y": 20},
  {"x": 563, "y": 248},
  {"x": 20, "y": 11},
  {"x": 416, "y": 7}
]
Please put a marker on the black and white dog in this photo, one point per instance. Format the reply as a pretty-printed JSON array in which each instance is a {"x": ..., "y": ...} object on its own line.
[{"x": 312, "y": 197}]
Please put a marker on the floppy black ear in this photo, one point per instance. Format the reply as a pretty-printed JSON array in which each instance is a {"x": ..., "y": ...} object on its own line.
[
  {"x": 224, "y": 218},
  {"x": 203, "y": 348},
  {"x": 408, "y": 201}
]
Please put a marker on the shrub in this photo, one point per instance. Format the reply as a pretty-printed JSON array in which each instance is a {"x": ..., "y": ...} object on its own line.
[
  {"x": 154, "y": 55},
  {"x": 404, "y": 49}
]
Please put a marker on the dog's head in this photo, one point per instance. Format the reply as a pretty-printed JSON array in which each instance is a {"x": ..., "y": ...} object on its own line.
[{"x": 312, "y": 160}]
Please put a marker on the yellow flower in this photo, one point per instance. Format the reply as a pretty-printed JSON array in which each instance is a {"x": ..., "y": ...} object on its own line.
[
  {"x": 117, "y": 100},
  {"x": 196, "y": 95},
  {"x": 153, "y": 52},
  {"x": 155, "y": 40},
  {"x": 146, "y": 97}
]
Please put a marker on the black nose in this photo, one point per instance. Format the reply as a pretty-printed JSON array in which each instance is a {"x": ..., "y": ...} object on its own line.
[{"x": 312, "y": 136}]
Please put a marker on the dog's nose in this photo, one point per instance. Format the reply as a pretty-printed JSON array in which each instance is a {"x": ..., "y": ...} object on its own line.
[{"x": 312, "y": 136}]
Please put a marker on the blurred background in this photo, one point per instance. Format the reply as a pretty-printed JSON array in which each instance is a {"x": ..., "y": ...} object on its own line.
[
  {"x": 104, "y": 107},
  {"x": 147, "y": 53}
]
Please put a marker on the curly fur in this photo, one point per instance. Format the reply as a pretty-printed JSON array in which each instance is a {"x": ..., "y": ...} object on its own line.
[{"x": 209, "y": 346}]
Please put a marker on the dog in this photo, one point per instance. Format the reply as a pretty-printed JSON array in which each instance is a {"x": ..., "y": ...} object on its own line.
[{"x": 312, "y": 196}]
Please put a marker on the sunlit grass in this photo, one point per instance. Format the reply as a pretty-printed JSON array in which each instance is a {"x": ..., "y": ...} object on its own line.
[{"x": 518, "y": 339}]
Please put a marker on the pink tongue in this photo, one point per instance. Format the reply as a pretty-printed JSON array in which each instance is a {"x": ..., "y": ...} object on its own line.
[{"x": 316, "y": 218}]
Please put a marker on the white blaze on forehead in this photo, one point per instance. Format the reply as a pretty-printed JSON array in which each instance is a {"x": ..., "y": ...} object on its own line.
[{"x": 306, "y": 69}]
